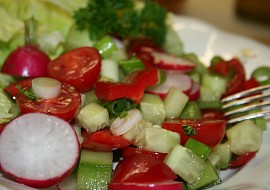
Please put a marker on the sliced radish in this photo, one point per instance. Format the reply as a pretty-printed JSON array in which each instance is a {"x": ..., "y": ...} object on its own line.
[
  {"x": 170, "y": 185},
  {"x": 194, "y": 93},
  {"x": 38, "y": 150},
  {"x": 46, "y": 88},
  {"x": 169, "y": 62},
  {"x": 173, "y": 79},
  {"x": 123, "y": 125}
]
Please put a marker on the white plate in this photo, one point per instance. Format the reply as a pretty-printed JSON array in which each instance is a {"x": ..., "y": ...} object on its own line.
[{"x": 206, "y": 41}]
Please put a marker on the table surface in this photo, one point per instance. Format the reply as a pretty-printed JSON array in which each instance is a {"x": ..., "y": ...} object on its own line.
[{"x": 222, "y": 14}]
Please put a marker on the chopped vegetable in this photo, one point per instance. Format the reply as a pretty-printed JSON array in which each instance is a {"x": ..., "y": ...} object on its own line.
[
  {"x": 49, "y": 149},
  {"x": 122, "y": 18}
]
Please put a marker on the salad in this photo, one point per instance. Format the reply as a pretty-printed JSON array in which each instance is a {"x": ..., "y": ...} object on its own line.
[{"x": 121, "y": 107}]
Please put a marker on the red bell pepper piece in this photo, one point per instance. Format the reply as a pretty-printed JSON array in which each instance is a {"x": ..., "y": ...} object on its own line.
[{"x": 132, "y": 87}]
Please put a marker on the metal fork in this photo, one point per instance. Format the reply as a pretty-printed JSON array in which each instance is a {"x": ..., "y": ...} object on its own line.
[{"x": 241, "y": 103}]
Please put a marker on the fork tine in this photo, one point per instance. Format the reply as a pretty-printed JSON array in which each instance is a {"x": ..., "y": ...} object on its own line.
[
  {"x": 249, "y": 116},
  {"x": 247, "y": 108},
  {"x": 245, "y": 100},
  {"x": 245, "y": 93}
]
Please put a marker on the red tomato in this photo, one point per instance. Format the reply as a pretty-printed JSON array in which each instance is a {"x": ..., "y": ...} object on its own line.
[
  {"x": 213, "y": 114},
  {"x": 66, "y": 105},
  {"x": 79, "y": 67},
  {"x": 241, "y": 160},
  {"x": 170, "y": 185},
  {"x": 143, "y": 48},
  {"x": 103, "y": 140},
  {"x": 209, "y": 132},
  {"x": 251, "y": 83},
  {"x": 13, "y": 90},
  {"x": 129, "y": 151},
  {"x": 142, "y": 168},
  {"x": 236, "y": 84},
  {"x": 2, "y": 126}
]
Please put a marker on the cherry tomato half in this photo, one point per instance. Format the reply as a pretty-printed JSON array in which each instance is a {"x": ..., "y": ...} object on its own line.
[
  {"x": 66, "y": 105},
  {"x": 12, "y": 90},
  {"x": 241, "y": 160},
  {"x": 142, "y": 168},
  {"x": 209, "y": 132},
  {"x": 129, "y": 151},
  {"x": 103, "y": 140},
  {"x": 79, "y": 67}
]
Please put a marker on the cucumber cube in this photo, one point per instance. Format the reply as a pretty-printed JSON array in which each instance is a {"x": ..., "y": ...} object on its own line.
[
  {"x": 94, "y": 170},
  {"x": 185, "y": 163},
  {"x": 152, "y": 109},
  {"x": 160, "y": 140}
]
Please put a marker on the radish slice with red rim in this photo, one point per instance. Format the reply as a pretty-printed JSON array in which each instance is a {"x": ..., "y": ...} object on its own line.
[
  {"x": 173, "y": 79},
  {"x": 169, "y": 62},
  {"x": 194, "y": 93},
  {"x": 38, "y": 150}
]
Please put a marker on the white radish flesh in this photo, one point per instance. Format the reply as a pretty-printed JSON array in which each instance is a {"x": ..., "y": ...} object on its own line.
[
  {"x": 170, "y": 62},
  {"x": 173, "y": 79},
  {"x": 46, "y": 88},
  {"x": 122, "y": 125},
  {"x": 38, "y": 150}
]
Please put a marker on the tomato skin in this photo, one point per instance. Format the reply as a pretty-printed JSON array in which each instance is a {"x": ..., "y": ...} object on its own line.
[
  {"x": 251, "y": 83},
  {"x": 2, "y": 126},
  {"x": 236, "y": 84},
  {"x": 213, "y": 114},
  {"x": 12, "y": 90},
  {"x": 103, "y": 140},
  {"x": 142, "y": 168},
  {"x": 171, "y": 185},
  {"x": 79, "y": 67},
  {"x": 241, "y": 160},
  {"x": 129, "y": 151},
  {"x": 142, "y": 48},
  {"x": 132, "y": 87},
  {"x": 66, "y": 105},
  {"x": 209, "y": 132}
]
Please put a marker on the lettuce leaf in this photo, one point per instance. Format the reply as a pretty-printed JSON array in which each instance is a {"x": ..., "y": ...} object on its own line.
[{"x": 54, "y": 18}]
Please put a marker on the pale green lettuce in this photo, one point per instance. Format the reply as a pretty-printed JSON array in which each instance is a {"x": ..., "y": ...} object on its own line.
[{"x": 54, "y": 19}]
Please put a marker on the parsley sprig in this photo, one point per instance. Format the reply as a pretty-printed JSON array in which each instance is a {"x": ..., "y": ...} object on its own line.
[
  {"x": 28, "y": 93},
  {"x": 122, "y": 18},
  {"x": 189, "y": 130}
]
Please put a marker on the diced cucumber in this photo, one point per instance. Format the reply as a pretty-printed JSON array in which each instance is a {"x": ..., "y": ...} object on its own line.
[
  {"x": 105, "y": 46},
  {"x": 209, "y": 178},
  {"x": 185, "y": 163},
  {"x": 89, "y": 97},
  {"x": 215, "y": 82},
  {"x": 77, "y": 38},
  {"x": 172, "y": 43},
  {"x": 94, "y": 170},
  {"x": 130, "y": 65},
  {"x": 93, "y": 117},
  {"x": 244, "y": 137},
  {"x": 136, "y": 134},
  {"x": 191, "y": 111},
  {"x": 198, "y": 148},
  {"x": 160, "y": 140},
  {"x": 200, "y": 67},
  {"x": 118, "y": 55},
  {"x": 152, "y": 109},
  {"x": 109, "y": 70},
  {"x": 174, "y": 103},
  {"x": 223, "y": 151},
  {"x": 208, "y": 98}
]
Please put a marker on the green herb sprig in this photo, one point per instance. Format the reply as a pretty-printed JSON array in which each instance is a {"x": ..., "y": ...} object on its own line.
[
  {"x": 28, "y": 93},
  {"x": 123, "y": 18}
]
